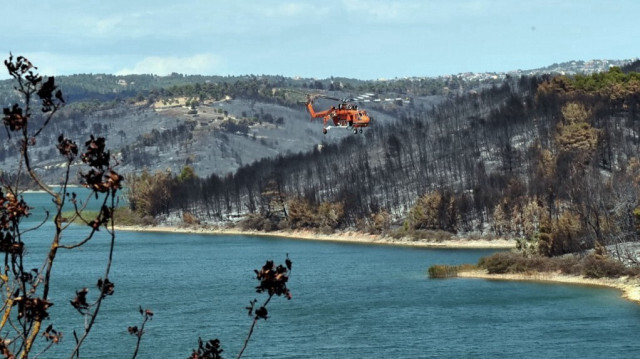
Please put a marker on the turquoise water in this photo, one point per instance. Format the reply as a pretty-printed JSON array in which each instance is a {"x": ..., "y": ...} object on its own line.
[{"x": 349, "y": 301}]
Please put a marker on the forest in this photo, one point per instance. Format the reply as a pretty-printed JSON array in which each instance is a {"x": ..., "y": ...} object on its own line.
[{"x": 547, "y": 159}]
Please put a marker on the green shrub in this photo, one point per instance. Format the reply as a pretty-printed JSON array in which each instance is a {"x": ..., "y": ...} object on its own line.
[
  {"x": 499, "y": 263},
  {"x": 512, "y": 262},
  {"x": 397, "y": 233},
  {"x": 148, "y": 220},
  {"x": 595, "y": 266},
  {"x": 570, "y": 265},
  {"x": 257, "y": 222},
  {"x": 378, "y": 223},
  {"x": 592, "y": 266},
  {"x": 326, "y": 229},
  {"x": 189, "y": 219}
]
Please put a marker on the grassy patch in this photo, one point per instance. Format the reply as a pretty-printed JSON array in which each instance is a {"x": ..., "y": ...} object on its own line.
[
  {"x": 122, "y": 217},
  {"x": 446, "y": 271},
  {"x": 443, "y": 271}
]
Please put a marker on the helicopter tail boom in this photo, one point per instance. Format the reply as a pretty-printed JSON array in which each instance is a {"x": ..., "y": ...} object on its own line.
[{"x": 315, "y": 114}]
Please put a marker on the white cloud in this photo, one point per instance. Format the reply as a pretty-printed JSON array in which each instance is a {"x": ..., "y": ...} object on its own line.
[
  {"x": 292, "y": 9},
  {"x": 422, "y": 12},
  {"x": 287, "y": 9},
  {"x": 202, "y": 64},
  {"x": 125, "y": 26},
  {"x": 106, "y": 26},
  {"x": 384, "y": 10},
  {"x": 375, "y": 9}
]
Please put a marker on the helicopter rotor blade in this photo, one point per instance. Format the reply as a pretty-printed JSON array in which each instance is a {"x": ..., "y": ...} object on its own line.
[
  {"x": 330, "y": 97},
  {"x": 344, "y": 99},
  {"x": 313, "y": 96}
]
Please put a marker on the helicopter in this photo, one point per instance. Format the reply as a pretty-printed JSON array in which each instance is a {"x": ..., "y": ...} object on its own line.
[{"x": 345, "y": 115}]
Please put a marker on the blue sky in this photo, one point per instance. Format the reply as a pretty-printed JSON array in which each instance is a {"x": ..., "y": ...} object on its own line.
[{"x": 351, "y": 38}]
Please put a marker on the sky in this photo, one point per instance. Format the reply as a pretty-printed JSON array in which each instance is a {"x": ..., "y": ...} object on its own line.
[{"x": 315, "y": 39}]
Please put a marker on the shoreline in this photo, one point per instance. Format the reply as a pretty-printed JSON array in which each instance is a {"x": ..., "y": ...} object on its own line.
[
  {"x": 630, "y": 287},
  {"x": 344, "y": 237}
]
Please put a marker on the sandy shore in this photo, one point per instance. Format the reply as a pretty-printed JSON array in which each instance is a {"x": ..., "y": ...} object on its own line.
[
  {"x": 348, "y": 237},
  {"x": 630, "y": 287}
]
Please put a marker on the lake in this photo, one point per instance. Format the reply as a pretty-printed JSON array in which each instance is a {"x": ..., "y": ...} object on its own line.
[{"x": 349, "y": 301}]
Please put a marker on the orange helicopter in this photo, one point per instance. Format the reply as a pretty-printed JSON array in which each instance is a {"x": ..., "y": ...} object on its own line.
[{"x": 345, "y": 115}]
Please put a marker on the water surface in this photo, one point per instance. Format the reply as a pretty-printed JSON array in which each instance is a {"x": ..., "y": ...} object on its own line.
[{"x": 349, "y": 301}]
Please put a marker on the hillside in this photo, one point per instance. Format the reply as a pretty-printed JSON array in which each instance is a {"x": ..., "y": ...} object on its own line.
[
  {"x": 548, "y": 159},
  {"x": 551, "y": 159},
  {"x": 230, "y": 121},
  {"x": 212, "y": 136}
]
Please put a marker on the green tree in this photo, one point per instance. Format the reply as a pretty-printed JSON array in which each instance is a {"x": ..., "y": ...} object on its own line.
[
  {"x": 149, "y": 194},
  {"x": 187, "y": 174},
  {"x": 575, "y": 134},
  {"x": 435, "y": 211}
]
